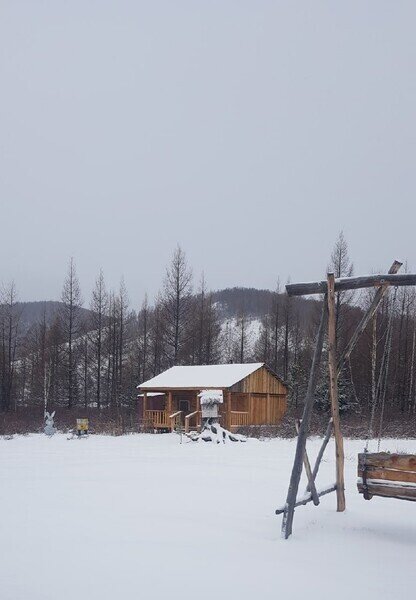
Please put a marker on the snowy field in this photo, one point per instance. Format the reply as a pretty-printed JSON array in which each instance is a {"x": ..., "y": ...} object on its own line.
[{"x": 146, "y": 517}]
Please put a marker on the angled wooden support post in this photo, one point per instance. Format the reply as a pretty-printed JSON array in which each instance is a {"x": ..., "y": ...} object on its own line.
[
  {"x": 292, "y": 493},
  {"x": 321, "y": 453},
  {"x": 333, "y": 391},
  {"x": 308, "y": 470}
]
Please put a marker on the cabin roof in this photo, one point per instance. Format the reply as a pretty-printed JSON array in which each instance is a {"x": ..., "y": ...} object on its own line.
[{"x": 201, "y": 376}]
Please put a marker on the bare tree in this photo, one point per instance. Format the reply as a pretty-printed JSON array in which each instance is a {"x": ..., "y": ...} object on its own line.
[
  {"x": 122, "y": 309},
  {"x": 411, "y": 394},
  {"x": 99, "y": 321},
  {"x": 144, "y": 341},
  {"x": 341, "y": 265},
  {"x": 275, "y": 319},
  {"x": 242, "y": 335},
  {"x": 156, "y": 336},
  {"x": 70, "y": 320},
  {"x": 263, "y": 345},
  {"x": 212, "y": 332},
  {"x": 287, "y": 320},
  {"x": 206, "y": 328},
  {"x": 177, "y": 305},
  {"x": 55, "y": 366},
  {"x": 228, "y": 341},
  {"x": 86, "y": 361},
  {"x": 10, "y": 316},
  {"x": 200, "y": 324}
]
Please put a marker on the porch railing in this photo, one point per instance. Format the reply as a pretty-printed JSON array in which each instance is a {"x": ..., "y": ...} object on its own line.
[
  {"x": 196, "y": 415},
  {"x": 175, "y": 420},
  {"x": 159, "y": 418},
  {"x": 238, "y": 419}
]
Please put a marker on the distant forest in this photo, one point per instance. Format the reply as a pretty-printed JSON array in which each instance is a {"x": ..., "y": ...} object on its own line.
[{"x": 93, "y": 355}]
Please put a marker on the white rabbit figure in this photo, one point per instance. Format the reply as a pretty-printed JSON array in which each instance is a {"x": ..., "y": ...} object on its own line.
[{"x": 49, "y": 428}]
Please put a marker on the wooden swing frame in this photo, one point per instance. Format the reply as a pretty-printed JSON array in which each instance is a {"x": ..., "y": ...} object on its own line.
[{"x": 328, "y": 321}]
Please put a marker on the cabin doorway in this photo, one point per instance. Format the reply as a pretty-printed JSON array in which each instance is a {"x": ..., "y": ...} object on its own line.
[{"x": 184, "y": 407}]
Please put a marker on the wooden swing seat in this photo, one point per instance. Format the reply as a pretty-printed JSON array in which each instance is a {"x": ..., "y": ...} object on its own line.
[{"x": 387, "y": 475}]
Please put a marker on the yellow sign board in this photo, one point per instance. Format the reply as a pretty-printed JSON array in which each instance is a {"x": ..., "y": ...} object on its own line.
[{"x": 82, "y": 424}]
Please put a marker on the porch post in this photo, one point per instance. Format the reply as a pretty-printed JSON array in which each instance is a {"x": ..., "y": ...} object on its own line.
[
  {"x": 144, "y": 404},
  {"x": 228, "y": 424},
  {"x": 169, "y": 406},
  {"x": 198, "y": 419}
]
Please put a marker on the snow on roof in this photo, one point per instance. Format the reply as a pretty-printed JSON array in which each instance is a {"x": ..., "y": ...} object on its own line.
[
  {"x": 211, "y": 397},
  {"x": 201, "y": 376}
]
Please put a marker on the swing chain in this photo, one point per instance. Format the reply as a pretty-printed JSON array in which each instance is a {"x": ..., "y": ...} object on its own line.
[{"x": 381, "y": 385}]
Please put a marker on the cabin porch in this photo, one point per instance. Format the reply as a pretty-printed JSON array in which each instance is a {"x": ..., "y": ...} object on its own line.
[
  {"x": 168, "y": 410},
  {"x": 181, "y": 408}
]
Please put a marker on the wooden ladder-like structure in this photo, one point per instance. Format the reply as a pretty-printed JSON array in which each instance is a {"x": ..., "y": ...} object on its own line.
[{"x": 329, "y": 287}]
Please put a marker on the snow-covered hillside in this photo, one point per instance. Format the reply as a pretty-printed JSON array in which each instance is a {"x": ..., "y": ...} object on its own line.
[
  {"x": 144, "y": 516},
  {"x": 231, "y": 337}
]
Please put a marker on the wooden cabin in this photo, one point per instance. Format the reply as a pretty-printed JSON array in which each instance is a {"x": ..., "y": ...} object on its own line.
[{"x": 253, "y": 395}]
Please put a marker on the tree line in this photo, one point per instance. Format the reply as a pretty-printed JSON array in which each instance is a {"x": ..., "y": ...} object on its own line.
[{"x": 97, "y": 357}]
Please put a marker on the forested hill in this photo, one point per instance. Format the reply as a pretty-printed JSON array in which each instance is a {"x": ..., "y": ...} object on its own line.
[
  {"x": 124, "y": 347},
  {"x": 231, "y": 303},
  {"x": 31, "y": 313},
  {"x": 256, "y": 304}
]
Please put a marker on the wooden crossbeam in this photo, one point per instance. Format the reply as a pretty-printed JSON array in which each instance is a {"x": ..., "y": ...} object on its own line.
[
  {"x": 351, "y": 283},
  {"x": 308, "y": 498}
]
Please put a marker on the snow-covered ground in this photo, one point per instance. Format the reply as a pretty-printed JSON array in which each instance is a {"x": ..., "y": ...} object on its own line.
[{"x": 146, "y": 517}]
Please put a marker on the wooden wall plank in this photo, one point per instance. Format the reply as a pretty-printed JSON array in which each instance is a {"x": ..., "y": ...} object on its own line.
[{"x": 261, "y": 381}]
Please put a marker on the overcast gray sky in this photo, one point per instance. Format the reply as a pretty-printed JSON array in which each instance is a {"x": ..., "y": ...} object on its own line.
[{"x": 249, "y": 132}]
